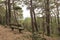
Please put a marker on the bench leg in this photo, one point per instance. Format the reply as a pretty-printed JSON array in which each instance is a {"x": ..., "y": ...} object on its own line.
[
  {"x": 20, "y": 31},
  {"x": 12, "y": 29}
]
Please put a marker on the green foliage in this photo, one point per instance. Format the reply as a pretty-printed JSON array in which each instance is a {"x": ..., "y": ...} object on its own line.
[
  {"x": 2, "y": 15},
  {"x": 17, "y": 8},
  {"x": 27, "y": 24}
]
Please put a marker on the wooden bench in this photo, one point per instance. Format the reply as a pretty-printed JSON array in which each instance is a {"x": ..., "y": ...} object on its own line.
[{"x": 16, "y": 26}]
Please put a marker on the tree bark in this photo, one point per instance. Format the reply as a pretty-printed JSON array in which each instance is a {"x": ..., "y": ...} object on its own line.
[
  {"x": 47, "y": 17},
  {"x": 6, "y": 13},
  {"x": 31, "y": 16},
  {"x": 9, "y": 12},
  {"x": 35, "y": 22}
]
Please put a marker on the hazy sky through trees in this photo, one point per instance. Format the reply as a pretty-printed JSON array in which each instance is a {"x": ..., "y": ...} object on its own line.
[{"x": 26, "y": 13}]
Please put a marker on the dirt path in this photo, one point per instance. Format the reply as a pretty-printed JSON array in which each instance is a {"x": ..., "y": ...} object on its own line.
[
  {"x": 7, "y": 34},
  {"x": 51, "y": 38}
]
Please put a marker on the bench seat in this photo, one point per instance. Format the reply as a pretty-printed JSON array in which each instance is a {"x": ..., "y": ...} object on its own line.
[{"x": 17, "y": 26}]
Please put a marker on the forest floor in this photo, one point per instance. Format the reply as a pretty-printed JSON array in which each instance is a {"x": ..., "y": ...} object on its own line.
[{"x": 7, "y": 34}]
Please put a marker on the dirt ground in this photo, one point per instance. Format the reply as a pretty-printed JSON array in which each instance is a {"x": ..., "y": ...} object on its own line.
[{"x": 7, "y": 34}]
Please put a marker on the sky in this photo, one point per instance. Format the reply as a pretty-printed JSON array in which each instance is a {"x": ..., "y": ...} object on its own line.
[{"x": 26, "y": 13}]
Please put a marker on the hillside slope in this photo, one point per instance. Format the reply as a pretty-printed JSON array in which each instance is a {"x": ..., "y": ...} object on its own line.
[{"x": 7, "y": 34}]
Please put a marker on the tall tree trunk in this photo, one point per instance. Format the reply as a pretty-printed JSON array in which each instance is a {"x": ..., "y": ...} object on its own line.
[
  {"x": 31, "y": 17},
  {"x": 58, "y": 17},
  {"x": 9, "y": 11},
  {"x": 35, "y": 22},
  {"x": 57, "y": 13},
  {"x": 47, "y": 17},
  {"x": 6, "y": 13},
  {"x": 15, "y": 14},
  {"x": 43, "y": 23}
]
